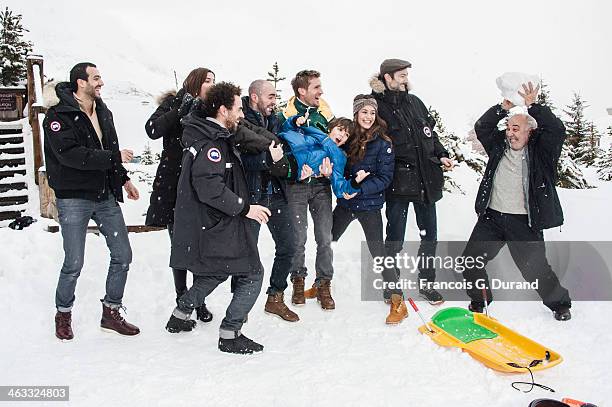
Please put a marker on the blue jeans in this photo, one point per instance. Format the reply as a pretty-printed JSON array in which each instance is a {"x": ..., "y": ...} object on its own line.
[
  {"x": 284, "y": 241},
  {"x": 316, "y": 198},
  {"x": 74, "y": 215},
  {"x": 426, "y": 219}
]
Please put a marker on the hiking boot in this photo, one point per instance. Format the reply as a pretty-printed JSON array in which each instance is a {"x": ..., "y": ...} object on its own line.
[
  {"x": 324, "y": 295},
  {"x": 562, "y": 314},
  {"x": 297, "y": 298},
  {"x": 63, "y": 326},
  {"x": 431, "y": 295},
  {"x": 275, "y": 305},
  {"x": 398, "y": 310},
  {"x": 113, "y": 321},
  {"x": 203, "y": 314},
  {"x": 311, "y": 293},
  {"x": 240, "y": 345},
  {"x": 176, "y": 324}
]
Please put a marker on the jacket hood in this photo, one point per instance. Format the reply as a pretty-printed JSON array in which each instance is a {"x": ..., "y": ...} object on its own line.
[
  {"x": 165, "y": 95},
  {"x": 57, "y": 93},
  {"x": 196, "y": 128},
  {"x": 379, "y": 86},
  {"x": 291, "y": 109}
]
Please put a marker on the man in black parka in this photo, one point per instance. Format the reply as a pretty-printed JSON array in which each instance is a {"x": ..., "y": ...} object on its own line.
[
  {"x": 211, "y": 229},
  {"x": 419, "y": 157},
  {"x": 517, "y": 198},
  {"x": 84, "y": 166}
]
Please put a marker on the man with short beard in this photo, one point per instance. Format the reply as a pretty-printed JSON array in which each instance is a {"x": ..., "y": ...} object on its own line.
[
  {"x": 267, "y": 175},
  {"x": 517, "y": 198},
  {"x": 212, "y": 236},
  {"x": 418, "y": 176},
  {"x": 313, "y": 193},
  {"x": 84, "y": 165}
]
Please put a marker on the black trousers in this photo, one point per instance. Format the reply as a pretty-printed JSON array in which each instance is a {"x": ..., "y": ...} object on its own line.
[
  {"x": 372, "y": 225},
  {"x": 492, "y": 232}
]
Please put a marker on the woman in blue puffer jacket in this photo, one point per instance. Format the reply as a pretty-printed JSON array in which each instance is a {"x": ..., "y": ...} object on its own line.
[{"x": 371, "y": 160}]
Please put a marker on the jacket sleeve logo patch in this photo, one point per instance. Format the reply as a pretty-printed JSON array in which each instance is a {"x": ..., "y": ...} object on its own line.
[
  {"x": 427, "y": 131},
  {"x": 55, "y": 126},
  {"x": 214, "y": 155}
]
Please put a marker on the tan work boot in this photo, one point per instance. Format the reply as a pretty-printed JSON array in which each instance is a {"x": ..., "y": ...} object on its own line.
[
  {"x": 398, "y": 311},
  {"x": 311, "y": 293},
  {"x": 324, "y": 295},
  {"x": 297, "y": 298},
  {"x": 276, "y": 306}
]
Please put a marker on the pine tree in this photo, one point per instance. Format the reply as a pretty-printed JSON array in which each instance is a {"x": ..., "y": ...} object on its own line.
[
  {"x": 570, "y": 176},
  {"x": 576, "y": 126},
  {"x": 588, "y": 150},
  {"x": 147, "y": 157},
  {"x": 275, "y": 79},
  {"x": 544, "y": 96},
  {"x": 13, "y": 48},
  {"x": 604, "y": 170},
  {"x": 459, "y": 151}
]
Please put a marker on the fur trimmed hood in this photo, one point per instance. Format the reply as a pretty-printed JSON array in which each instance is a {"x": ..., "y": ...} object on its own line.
[
  {"x": 165, "y": 95},
  {"x": 50, "y": 97},
  {"x": 379, "y": 86},
  {"x": 376, "y": 84}
]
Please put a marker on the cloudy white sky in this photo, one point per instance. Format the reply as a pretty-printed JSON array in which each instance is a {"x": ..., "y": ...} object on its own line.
[{"x": 457, "y": 48}]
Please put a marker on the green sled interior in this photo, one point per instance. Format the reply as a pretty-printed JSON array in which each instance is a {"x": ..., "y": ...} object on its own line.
[{"x": 459, "y": 323}]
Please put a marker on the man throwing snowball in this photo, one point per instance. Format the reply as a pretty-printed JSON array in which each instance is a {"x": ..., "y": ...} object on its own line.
[{"x": 517, "y": 198}]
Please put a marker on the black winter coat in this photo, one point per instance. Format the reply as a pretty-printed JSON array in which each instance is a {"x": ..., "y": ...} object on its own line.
[
  {"x": 211, "y": 232},
  {"x": 543, "y": 152},
  {"x": 165, "y": 123},
  {"x": 259, "y": 167},
  {"x": 78, "y": 165},
  {"x": 417, "y": 147}
]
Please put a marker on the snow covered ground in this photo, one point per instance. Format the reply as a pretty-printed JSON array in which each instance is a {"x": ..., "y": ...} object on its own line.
[{"x": 345, "y": 357}]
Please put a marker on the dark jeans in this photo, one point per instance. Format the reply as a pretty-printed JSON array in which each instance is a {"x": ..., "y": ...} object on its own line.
[
  {"x": 316, "y": 197},
  {"x": 74, "y": 215},
  {"x": 372, "y": 225},
  {"x": 279, "y": 225},
  {"x": 492, "y": 232},
  {"x": 397, "y": 216},
  {"x": 245, "y": 292}
]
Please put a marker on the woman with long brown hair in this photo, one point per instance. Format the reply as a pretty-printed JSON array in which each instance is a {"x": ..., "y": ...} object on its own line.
[
  {"x": 371, "y": 160},
  {"x": 165, "y": 123}
]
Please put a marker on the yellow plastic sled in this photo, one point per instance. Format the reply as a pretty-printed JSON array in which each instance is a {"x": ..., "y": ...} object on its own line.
[{"x": 488, "y": 341}]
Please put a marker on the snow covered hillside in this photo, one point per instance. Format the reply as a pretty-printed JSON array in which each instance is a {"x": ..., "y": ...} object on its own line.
[{"x": 347, "y": 357}]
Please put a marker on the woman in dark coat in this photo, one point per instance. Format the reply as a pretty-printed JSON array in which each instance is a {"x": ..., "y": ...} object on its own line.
[
  {"x": 371, "y": 161},
  {"x": 165, "y": 123}
]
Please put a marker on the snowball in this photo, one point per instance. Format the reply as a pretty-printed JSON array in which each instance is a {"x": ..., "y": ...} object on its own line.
[{"x": 511, "y": 82}]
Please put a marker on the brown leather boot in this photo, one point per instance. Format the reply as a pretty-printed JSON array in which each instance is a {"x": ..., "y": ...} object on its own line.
[
  {"x": 297, "y": 298},
  {"x": 324, "y": 295},
  {"x": 113, "y": 321},
  {"x": 276, "y": 306},
  {"x": 63, "y": 327},
  {"x": 311, "y": 292},
  {"x": 398, "y": 310}
]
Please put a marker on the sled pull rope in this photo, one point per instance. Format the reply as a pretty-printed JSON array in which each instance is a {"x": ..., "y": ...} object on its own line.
[{"x": 533, "y": 383}]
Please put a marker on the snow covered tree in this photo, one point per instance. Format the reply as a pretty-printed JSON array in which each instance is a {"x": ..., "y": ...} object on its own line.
[
  {"x": 13, "y": 48},
  {"x": 147, "y": 157},
  {"x": 570, "y": 176},
  {"x": 576, "y": 126},
  {"x": 588, "y": 150},
  {"x": 604, "y": 164},
  {"x": 275, "y": 78},
  {"x": 544, "y": 96}
]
